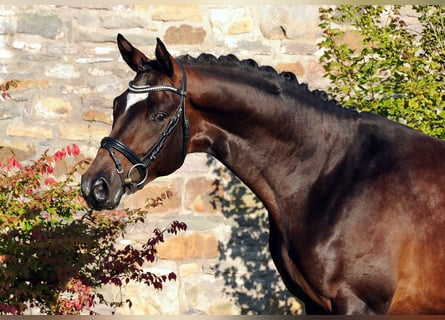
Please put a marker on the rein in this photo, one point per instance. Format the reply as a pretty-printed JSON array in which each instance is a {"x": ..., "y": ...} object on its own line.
[{"x": 141, "y": 165}]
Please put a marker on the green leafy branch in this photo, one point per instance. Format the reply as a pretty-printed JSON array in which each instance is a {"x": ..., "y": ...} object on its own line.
[{"x": 393, "y": 69}]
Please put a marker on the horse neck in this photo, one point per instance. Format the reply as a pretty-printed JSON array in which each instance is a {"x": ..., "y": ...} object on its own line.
[{"x": 267, "y": 139}]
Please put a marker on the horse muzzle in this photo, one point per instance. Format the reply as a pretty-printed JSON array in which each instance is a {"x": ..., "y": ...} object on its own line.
[{"x": 99, "y": 193}]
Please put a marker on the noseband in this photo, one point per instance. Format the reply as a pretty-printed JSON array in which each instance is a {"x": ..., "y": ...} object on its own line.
[{"x": 141, "y": 165}]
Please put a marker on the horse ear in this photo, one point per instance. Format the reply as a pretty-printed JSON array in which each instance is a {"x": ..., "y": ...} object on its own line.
[
  {"x": 132, "y": 56},
  {"x": 166, "y": 61}
]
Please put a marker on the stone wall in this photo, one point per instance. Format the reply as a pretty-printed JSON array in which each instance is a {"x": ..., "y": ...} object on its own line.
[{"x": 70, "y": 70}]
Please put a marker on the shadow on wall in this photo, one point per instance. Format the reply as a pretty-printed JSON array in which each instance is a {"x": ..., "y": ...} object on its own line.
[{"x": 246, "y": 265}]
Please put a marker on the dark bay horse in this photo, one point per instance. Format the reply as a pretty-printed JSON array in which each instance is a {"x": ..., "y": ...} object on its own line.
[{"x": 356, "y": 202}]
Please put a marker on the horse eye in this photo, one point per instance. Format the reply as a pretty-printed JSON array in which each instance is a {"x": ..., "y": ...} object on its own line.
[{"x": 160, "y": 116}]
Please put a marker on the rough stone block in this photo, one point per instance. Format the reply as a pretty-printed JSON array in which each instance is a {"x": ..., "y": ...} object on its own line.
[
  {"x": 69, "y": 49},
  {"x": 188, "y": 269},
  {"x": 194, "y": 246},
  {"x": 184, "y": 34},
  {"x": 26, "y": 84},
  {"x": 271, "y": 22},
  {"x": 194, "y": 164},
  {"x": 201, "y": 195},
  {"x": 148, "y": 300},
  {"x": 154, "y": 190},
  {"x": 97, "y": 35},
  {"x": 62, "y": 71},
  {"x": 52, "y": 108},
  {"x": 6, "y": 25},
  {"x": 315, "y": 68},
  {"x": 10, "y": 110},
  {"x": 176, "y": 13},
  {"x": 21, "y": 150},
  {"x": 256, "y": 47},
  {"x": 87, "y": 20},
  {"x": 99, "y": 72},
  {"x": 224, "y": 309},
  {"x": 27, "y": 131},
  {"x": 289, "y": 21},
  {"x": 43, "y": 23},
  {"x": 298, "y": 48},
  {"x": 123, "y": 22},
  {"x": 295, "y": 68},
  {"x": 82, "y": 132},
  {"x": 6, "y": 54},
  {"x": 28, "y": 45},
  {"x": 98, "y": 116},
  {"x": 232, "y": 21}
]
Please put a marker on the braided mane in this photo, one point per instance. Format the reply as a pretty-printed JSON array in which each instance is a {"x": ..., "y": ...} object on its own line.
[{"x": 284, "y": 79}]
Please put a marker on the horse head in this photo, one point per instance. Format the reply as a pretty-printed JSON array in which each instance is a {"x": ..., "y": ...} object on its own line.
[{"x": 147, "y": 117}]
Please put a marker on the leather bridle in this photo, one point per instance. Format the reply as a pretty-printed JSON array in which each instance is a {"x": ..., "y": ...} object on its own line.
[{"x": 141, "y": 165}]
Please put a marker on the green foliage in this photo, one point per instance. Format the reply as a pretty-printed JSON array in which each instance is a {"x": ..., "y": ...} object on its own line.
[
  {"x": 51, "y": 243},
  {"x": 396, "y": 70}
]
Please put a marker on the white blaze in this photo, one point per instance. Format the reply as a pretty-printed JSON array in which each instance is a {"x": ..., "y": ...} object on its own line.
[{"x": 133, "y": 98}]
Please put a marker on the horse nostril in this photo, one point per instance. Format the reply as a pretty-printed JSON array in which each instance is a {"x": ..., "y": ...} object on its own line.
[{"x": 100, "y": 190}]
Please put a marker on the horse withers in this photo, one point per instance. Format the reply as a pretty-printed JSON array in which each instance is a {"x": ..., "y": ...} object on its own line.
[{"x": 356, "y": 202}]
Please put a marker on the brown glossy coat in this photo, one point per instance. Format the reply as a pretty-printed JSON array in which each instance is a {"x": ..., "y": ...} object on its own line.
[{"x": 356, "y": 202}]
